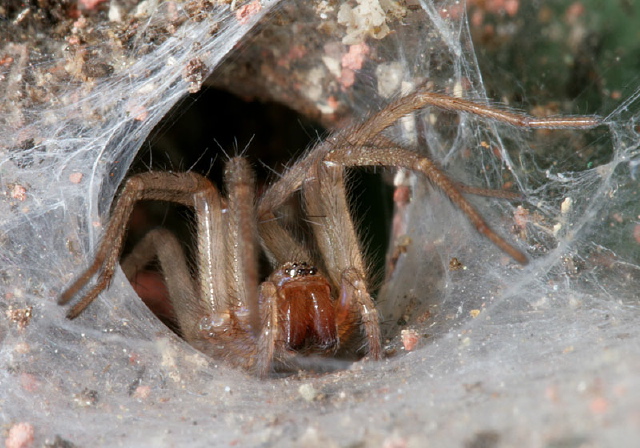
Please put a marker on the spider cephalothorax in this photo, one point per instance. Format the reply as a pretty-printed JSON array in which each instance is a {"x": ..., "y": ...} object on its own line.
[{"x": 223, "y": 308}]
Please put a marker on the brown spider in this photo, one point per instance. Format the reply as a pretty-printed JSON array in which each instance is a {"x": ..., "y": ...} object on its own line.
[{"x": 309, "y": 305}]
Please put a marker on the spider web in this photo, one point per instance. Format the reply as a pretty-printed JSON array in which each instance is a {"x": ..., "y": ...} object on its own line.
[{"x": 541, "y": 355}]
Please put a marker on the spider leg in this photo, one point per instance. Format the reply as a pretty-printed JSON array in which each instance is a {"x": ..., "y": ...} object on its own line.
[
  {"x": 188, "y": 189},
  {"x": 269, "y": 329},
  {"x": 280, "y": 191},
  {"x": 383, "y": 142},
  {"x": 279, "y": 245},
  {"x": 354, "y": 294},
  {"x": 489, "y": 192},
  {"x": 368, "y": 131},
  {"x": 211, "y": 253},
  {"x": 164, "y": 245},
  {"x": 261, "y": 302},
  {"x": 327, "y": 209},
  {"x": 404, "y": 158},
  {"x": 242, "y": 269}
]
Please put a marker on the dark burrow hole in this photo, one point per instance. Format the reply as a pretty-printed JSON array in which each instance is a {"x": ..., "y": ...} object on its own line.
[{"x": 200, "y": 134}]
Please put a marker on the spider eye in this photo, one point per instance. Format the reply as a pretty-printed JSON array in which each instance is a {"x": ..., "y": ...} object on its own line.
[{"x": 300, "y": 269}]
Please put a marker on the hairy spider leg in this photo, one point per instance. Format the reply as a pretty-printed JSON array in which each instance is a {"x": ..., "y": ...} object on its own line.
[
  {"x": 181, "y": 188},
  {"x": 360, "y": 134},
  {"x": 402, "y": 158},
  {"x": 162, "y": 244},
  {"x": 242, "y": 245},
  {"x": 328, "y": 211},
  {"x": 369, "y": 134},
  {"x": 246, "y": 332},
  {"x": 211, "y": 299}
]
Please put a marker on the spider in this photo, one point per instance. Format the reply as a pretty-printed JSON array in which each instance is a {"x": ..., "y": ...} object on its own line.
[{"x": 317, "y": 301}]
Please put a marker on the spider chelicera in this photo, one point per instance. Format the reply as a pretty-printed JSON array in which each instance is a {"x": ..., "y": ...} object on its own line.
[{"x": 317, "y": 300}]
